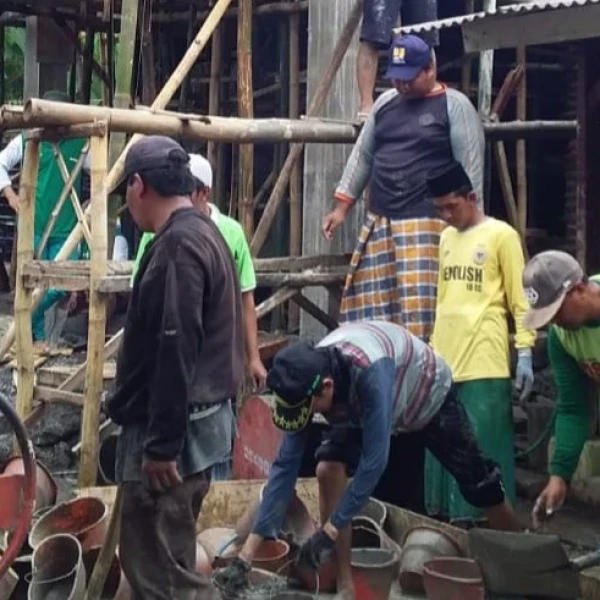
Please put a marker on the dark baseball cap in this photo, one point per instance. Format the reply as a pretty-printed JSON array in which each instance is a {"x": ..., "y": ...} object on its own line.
[
  {"x": 296, "y": 376},
  {"x": 548, "y": 278},
  {"x": 448, "y": 181},
  {"x": 151, "y": 153},
  {"x": 408, "y": 56}
]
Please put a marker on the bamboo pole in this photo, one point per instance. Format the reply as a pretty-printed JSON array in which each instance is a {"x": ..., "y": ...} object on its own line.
[
  {"x": 521, "y": 145},
  {"x": 94, "y": 380},
  {"x": 316, "y": 105},
  {"x": 214, "y": 89},
  {"x": 183, "y": 90},
  {"x": 295, "y": 247},
  {"x": 467, "y": 65},
  {"x": 23, "y": 297},
  {"x": 161, "y": 101},
  {"x": 147, "y": 54},
  {"x": 486, "y": 71},
  {"x": 246, "y": 111}
]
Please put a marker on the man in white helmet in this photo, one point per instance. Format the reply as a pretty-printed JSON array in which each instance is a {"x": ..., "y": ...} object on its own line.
[{"x": 235, "y": 238}]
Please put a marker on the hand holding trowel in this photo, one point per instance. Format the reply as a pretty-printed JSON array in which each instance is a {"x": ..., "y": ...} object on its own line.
[{"x": 549, "y": 501}]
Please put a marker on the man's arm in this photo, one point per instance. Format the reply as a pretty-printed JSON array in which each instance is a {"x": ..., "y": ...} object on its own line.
[
  {"x": 280, "y": 486},
  {"x": 358, "y": 168},
  {"x": 375, "y": 387},
  {"x": 512, "y": 264},
  {"x": 572, "y": 417},
  {"x": 10, "y": 158},
  {"x": 176, "y": 333},
  {"x": 467, "y": 139}
]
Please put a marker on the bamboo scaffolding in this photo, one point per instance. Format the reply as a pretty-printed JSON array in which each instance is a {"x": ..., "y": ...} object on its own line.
[
  {"x": 68, "y": 186},
  {"x": 94, "y": 379},
  {"x": 246, "y": 111},
  {"x": 23, "y": 296},
  {"x": 521, "y": 145},
  {"x": 214, "y": 93},
  {"x": 316, "y": 105},
  {"x": 161, "y": 101}
]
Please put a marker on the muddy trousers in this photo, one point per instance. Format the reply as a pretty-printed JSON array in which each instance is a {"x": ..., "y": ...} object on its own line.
[{"x": 157, "y": 544}]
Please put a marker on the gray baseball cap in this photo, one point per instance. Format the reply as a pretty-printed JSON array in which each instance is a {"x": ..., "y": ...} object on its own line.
[{"x": 548, "y": 277}]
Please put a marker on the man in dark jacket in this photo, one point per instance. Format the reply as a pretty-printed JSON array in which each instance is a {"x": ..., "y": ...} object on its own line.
[{"x": 179, "y": 366}]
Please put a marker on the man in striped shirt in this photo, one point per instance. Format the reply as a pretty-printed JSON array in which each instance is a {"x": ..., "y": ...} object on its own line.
[{"x": 370, "y": 380}]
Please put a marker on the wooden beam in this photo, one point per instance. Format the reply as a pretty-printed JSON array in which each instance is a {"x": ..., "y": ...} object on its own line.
[
  {"x": 486, "y": 72},
  {"x": 53, "y": 395},
  {"x": 315, "y": 107},
  {"x": 303, "y": 279},
  {"x": 214, "y": 91},
  {"x": 312, "y": 309},
  {"x": 88, "y": 465},
  {"x": 245, "y": 111},
  {"x": 23, "y": 298},
  {"x": 271, "y": 303},
  {"x": 521, "y": 145},
  {"x": 57, "y": 134},
  {"x": 300, "y": 263}
]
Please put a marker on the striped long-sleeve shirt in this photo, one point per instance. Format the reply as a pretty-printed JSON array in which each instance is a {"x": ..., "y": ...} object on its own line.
[
  {"x": 403, "y": 141},
  {"x": 397, "y": 383}
]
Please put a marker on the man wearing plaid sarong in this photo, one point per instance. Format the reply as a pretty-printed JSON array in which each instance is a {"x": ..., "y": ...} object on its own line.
[{"x": 418, "y": 127}]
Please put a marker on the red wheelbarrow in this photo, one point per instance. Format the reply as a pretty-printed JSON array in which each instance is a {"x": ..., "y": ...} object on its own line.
[{"x": 17, "y": 492}]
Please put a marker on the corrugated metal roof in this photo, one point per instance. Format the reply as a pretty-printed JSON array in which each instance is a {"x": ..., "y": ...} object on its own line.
[{"x": 510, "y": 10}]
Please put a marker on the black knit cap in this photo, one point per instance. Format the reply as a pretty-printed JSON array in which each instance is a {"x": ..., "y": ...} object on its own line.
[
  {"x": 448, "y": 181},
  {"x": 295, "y": 377}
]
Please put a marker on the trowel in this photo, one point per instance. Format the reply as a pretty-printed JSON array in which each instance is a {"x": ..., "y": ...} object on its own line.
[{"x": 528, "y": 564}]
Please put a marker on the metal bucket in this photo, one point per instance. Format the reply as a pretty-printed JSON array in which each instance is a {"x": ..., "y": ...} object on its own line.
[
  {"x": 46, "y": 488},
  {"x": 85, "y": 518},
  {"x": 373, "y": 572},
  {"x": 453, "y": 579},
  {"x": 420, "y": 545},
  {"x": 58, "y": 572}
]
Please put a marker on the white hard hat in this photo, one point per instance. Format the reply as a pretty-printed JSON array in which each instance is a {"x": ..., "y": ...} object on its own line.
[{"x": 201, "y": 169}]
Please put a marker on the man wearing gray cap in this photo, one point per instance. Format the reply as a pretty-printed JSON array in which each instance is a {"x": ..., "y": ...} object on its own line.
[
  {"x": 560, "y": 294},
  {"x": 179, "y": 366}
]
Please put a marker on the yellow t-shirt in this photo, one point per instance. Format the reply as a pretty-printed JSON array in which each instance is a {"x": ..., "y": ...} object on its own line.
[{"x": 479, "y": 283}]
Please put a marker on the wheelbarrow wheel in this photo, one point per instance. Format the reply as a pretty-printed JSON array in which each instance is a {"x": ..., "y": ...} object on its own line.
[{"x": 16, "y": 516}]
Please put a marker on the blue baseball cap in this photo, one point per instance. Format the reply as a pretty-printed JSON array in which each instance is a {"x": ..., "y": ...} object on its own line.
[{"x": 409, "y": 55}]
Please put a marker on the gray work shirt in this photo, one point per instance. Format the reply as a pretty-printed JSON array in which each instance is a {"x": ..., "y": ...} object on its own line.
[{"x": 208, "y": 442}]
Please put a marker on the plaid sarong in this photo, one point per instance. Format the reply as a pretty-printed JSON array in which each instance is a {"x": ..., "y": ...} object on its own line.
[{"x": 393, "y": 274}]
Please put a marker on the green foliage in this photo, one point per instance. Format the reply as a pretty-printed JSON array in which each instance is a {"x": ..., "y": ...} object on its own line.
[{"x": 14, "y": 61}]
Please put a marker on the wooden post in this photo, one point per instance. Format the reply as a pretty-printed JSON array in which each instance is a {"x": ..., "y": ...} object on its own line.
[
  {"x": 521, "y": 145},
  {"x": 245, "y": 110},
  {"x": 147, "y": 54},
  {"x": 468, "y": 60},
  {"x": 97, "y": 314},
  {"x": 23, "y": 299},
  {"x": 316, "y": 104},
  {"x": 486, "y": 72},
  {"x": 296, "y": 177},
  {"x": 185, "y": 85}
]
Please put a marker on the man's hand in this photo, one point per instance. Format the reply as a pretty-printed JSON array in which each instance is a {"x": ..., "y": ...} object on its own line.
[
  {"x": 12, "y": 198},
  {"x": 258, "y": 373},
  {"x": 233, "y": 579},
  {"x": 315, "y": 551},
  {"x": 524, "y": 379},
  {"x": 160, "y": 475},
  {"x": 334, "y": 219},
  {"x": 550, "y": 500}
]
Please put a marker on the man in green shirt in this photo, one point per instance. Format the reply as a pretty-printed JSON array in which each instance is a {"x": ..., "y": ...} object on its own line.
[
  {"x": 560, "y": 293},
  {"x": 235, "y": 237}
]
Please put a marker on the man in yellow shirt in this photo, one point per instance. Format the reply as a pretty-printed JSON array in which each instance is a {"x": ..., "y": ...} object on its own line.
[{"x": 479, "y": 284}]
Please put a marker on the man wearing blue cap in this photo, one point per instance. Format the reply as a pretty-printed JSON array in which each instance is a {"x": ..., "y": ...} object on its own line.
[
  {"x": 418, "y": 127},
  {"x": 379, "y": 18},
  {"x": 378, "y": 379}
]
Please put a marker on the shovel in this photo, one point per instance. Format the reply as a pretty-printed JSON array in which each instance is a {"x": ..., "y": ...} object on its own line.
[{"x": 528, "y": 564}]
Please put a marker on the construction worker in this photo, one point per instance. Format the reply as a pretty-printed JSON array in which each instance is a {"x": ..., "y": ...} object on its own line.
[
  {"x": 479, "y": 286},
  {"x": 376, "y": 378},
  {"x": 178, "y": 368},
  {"x": 50, "y": 184},
  {"x": 236, "y": 240},
  {"x": 562, "y": 296}
]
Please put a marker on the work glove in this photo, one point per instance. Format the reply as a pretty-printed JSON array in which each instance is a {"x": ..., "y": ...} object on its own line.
[
  {"x": 315, "y": 551},
  {"x": 233, "y": 579},
  {"x": 524, "y": 379}
]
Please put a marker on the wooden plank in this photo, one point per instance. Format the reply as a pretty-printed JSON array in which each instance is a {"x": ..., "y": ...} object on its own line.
[
  {"x": 312, "y": 309},
  {"x": 56, "y": 375},
  {"x": 303, "y": 279},
  {"x": 88, "y": 464},
  {"x": 271, "y": 303},
  {"x": 44, "y": 393},
  {"x": 299, "y": 263},
  {"x": 322, "y": 163}
]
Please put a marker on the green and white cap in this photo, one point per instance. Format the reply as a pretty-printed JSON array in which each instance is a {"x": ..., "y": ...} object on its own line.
[{"x": 548, "y": 277}]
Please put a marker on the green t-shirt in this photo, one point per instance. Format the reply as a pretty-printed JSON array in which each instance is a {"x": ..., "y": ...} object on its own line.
[
  {"x": 235, "y": 238},
  {"x": 575, "y": 359}
]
